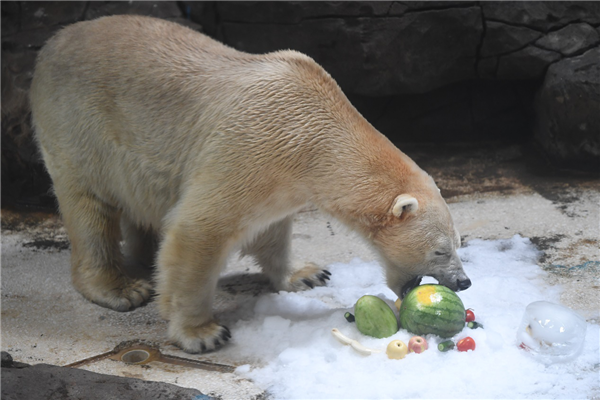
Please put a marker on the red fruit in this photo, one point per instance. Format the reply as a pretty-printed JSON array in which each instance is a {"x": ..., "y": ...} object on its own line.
[
  {"x": 470, "y": 315},
  {"x": 417, "y": 344},
  {"x": 466, "y": 344}
]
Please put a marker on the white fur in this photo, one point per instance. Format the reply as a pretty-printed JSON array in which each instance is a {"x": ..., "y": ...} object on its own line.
[{"x": 213, "y": 149}]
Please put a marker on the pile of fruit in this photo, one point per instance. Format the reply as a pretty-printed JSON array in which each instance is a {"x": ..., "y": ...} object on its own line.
[{"x": 426, "y": 310}]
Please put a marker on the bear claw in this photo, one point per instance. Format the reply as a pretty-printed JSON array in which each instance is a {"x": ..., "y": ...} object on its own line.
[
  {"x": 308, "y": 283},
  {"x": 226, "y": 334},
  {"x": 324, "y": 276},
  {"x": 202, "y": 339},
  {"x": 310, "y": 276}
]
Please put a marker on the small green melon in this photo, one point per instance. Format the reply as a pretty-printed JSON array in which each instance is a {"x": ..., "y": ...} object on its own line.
[{"x": 374, "y": 317}]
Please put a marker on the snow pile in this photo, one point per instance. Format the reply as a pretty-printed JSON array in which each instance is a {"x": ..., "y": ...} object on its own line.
[{"x": 290, "y": 335}]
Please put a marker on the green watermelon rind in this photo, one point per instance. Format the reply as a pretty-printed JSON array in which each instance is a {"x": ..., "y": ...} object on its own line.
[
  {"x": 444, "y": 323},
  {"x": 374, "y": 317}
]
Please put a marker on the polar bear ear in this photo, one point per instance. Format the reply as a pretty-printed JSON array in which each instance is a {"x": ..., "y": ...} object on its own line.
[{"x": 404, "y": 203}]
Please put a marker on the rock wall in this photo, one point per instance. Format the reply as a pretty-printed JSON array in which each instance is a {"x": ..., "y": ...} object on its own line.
[
  {"x": 568, "y": 110},
  {"x": 419, "y": 71}
]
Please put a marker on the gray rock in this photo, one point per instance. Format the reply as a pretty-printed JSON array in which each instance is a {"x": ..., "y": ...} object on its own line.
[
  {"x": 570, "y": 39},
  {"x": 8, "y": 362},
  {"x": 203, "y": 13},
  {"x": 158, "y": 9},
  {"x": 394, "y": 60},
  {"x": 377, "y": 56},
  {"x": 501, "y": 38},
  {"x": 528, "y": 63},
  {"x": 44, "y": 381},
  {"x": 326, "y": 40},
  {"x": 30, "y": 39},
  {"x": 466, "y": 111},
  {"x": 36, "y": 14},
  {"x": 293, "y": 12},
  {"x": 435, "y": 5},
  {"x": 398, "y": 8},
  {"x": 487, "y": 67},
  {"x": 542, "y": 15},
  {"x": 10, "y": 19},
  {"x": 567, "y": 112}
]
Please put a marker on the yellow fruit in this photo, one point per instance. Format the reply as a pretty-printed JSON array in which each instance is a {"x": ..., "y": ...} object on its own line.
[{"x": 396, "y": 350}]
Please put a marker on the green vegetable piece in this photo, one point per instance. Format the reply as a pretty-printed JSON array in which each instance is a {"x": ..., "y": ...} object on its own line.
[
  {"x": 349, "y": 317},
  {"x": 474, "y": 325},
  {"x": 374, "y": 317},
  {"x": 446, "y": 346}
]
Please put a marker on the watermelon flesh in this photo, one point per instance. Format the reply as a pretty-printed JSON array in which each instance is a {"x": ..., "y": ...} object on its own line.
[{"x": 432, "y": 309}]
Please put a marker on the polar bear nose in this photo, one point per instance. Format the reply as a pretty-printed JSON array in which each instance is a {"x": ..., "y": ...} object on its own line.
[{"x": 463, "y": 285}]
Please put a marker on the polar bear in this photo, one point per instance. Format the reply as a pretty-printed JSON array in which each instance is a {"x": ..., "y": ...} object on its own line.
[{"x": 146, "y": 126}]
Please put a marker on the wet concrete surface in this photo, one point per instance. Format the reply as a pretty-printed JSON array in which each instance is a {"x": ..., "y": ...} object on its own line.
[{"x": 493, "y": 192}]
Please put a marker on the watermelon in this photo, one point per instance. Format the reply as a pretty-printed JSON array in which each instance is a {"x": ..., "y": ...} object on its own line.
[
  {"x": 432, "y": 309},
  {"x": 374, "y": 317}
]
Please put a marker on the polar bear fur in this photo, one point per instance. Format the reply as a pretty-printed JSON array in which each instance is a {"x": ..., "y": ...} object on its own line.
[{"x": 149, "y": 127}]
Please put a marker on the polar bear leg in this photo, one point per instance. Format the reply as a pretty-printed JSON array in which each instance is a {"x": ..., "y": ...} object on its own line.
[
  {"x": 189, "y": 262},
  {"x": 271, "y": 250},
  {"x": 96, "y": 260}
]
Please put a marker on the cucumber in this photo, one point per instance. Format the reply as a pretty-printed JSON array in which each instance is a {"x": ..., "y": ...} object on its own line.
[
  {"x": 349, "y": 317},
  {"x": 474, "y": 325},
  {"x": 374, "y": 317},
  {"x": 446, "y": 346}
]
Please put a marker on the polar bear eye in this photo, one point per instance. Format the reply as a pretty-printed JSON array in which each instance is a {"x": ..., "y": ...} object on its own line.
[{"x": 439, "y": 253}]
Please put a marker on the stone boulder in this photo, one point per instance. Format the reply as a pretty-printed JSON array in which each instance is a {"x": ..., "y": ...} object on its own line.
[
  {"x": 528, "y": 63},
  {"x": 43, "y": 381},
  {"x": 571, "y": 39},
  {"x": 522, "y": 39},
  {"x": 365, "y": 49},
  {"x": 501, "y": 38},
  {"x": 157, "y": 9},
  {"x": 567, "y": 123},
  {"x": 542, "y": 15}
]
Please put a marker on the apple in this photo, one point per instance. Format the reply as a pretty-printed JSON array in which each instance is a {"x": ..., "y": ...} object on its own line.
[
  {"x": 417, "y": 344},
  {"x": 396, "y": 350}
]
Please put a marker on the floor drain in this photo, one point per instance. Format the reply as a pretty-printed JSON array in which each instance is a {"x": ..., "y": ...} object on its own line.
[
  {"x": 136, "y": 357},
  {"x": 136, "y": 353}
]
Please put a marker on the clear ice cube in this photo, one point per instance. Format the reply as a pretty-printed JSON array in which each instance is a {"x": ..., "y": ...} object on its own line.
[{"x": 551, "y": 332}]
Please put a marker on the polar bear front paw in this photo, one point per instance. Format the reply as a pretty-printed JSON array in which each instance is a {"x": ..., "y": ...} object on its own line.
[
  {"x": 308, "y": 277},
  {"x": 199, "y": 339}
]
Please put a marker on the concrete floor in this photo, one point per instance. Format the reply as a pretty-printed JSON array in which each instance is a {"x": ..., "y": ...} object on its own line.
[{"x": 494, "y": 192}]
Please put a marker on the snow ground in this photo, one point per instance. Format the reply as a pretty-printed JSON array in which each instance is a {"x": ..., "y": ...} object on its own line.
[{"x": 290, "y": 334}]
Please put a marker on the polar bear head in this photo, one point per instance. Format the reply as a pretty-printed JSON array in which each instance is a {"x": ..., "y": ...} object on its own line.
[{"x": 419, "y": 239}]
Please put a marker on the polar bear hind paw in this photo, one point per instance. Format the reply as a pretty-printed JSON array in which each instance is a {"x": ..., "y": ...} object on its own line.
[{"x": 122, "y": 294}]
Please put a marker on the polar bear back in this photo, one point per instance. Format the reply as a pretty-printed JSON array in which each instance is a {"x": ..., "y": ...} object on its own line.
[{"x": 146, "y": 104}]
